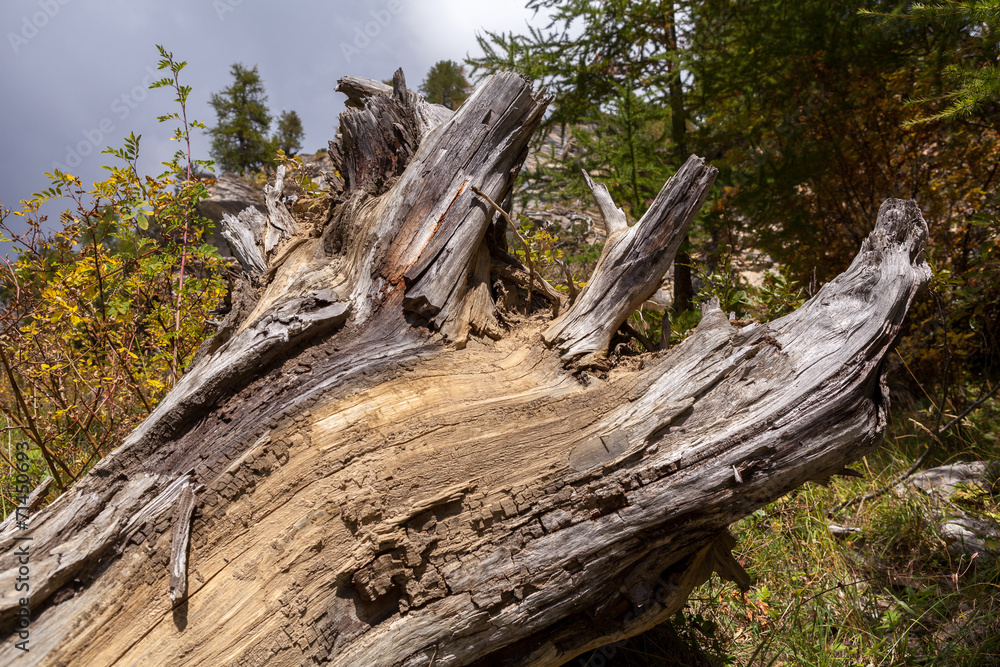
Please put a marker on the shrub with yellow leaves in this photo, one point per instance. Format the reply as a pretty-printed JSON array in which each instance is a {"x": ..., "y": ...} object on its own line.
[{"x": 101, "y": 315}]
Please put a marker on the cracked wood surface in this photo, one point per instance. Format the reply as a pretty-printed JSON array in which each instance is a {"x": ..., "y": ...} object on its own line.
[{"x": 383, "y": 487}]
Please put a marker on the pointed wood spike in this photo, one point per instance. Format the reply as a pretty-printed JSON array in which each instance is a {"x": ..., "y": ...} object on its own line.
[
  {"x": 446, "y": 221},
  {"x": 359, "y": 88},
  {"x": 614, "y": 218},
  {"x": 280, "y": 223},
  {"x": 726, "y": 564},
  {"x": 824, "y": 480},
  {"x": 399, "y": 86},
  {"x": 179, "y": 540},
  {"x": 243, "y": 233}
]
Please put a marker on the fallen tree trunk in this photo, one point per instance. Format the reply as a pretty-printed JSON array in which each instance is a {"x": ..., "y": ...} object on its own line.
[{"x": 374, "y": 463}]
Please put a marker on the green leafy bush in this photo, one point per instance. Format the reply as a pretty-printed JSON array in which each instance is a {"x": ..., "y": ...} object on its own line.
[{"x": 102, "y": 315}]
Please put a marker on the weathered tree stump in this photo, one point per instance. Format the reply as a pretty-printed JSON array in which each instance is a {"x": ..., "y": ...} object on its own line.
[{"x": 387, "y": 468}]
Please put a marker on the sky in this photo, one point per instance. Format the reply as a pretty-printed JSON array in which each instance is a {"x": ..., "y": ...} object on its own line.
[{"x": 75, "y": 73}]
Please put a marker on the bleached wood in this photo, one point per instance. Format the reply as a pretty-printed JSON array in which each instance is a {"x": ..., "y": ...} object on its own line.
[
  {"x": 280, "y": 223},
  {"x": 492, "y": 127},
  {"x": 245, "y": 235},
  {"x": 358, "y": 89},
  {"x": 179, "y": 542},
  {"x": 377, "y": 495},
  {"x": 631, "y": 265},
  {"x": 30, "y": 504},
  {"x": 614, "y": 218}
]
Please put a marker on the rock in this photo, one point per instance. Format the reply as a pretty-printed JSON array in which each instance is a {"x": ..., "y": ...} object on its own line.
[
  {"x": 962, "y": 533},
  {"x": 965, "y": 535},
  {"x": 944, "y": 480},
  {"x": 230, "y": 194}
]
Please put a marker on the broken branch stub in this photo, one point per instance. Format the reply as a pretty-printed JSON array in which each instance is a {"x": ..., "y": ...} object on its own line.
[
  {"x": 281, "y": 225},
  {"x": 614, "y": 218},
  {"x": 245, "y": 235},
  {"x": 632, "y": 264},
  {"x": 486, "y": 140}
]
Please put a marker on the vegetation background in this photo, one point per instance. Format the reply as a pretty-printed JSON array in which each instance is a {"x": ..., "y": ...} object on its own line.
[{"x": 813, "y": 111}]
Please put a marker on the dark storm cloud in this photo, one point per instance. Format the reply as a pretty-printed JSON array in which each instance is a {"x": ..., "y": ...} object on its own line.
[{"x": 75, "y": 73}]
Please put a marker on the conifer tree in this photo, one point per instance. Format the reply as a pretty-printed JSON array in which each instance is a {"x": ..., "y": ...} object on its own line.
[
  {"x": 239, "y": 140},
  {"x": 289, "y": 134},
  {"x": 446, "y": 84},
  {"x": 975, "y": 83}
]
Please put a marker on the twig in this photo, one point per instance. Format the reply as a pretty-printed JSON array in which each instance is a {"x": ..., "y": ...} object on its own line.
[
  {"x": 516, "y": 275},
  {"x": 182, "y": 100},
  {"x": 965, "y": 413},
  {"x": 883, "y": 490},
  {"x": 30, "y": 503},
  {"x": 664, "y": 331},
  {"x": 32, "y": 429},
  {"x": 569, "y": 281}
]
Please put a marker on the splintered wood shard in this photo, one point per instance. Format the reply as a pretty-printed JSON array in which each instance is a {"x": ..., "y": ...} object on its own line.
[
  {"x": 280, "y": 223},
  {"x": 726, "y": 564},
  {"x": 614, "y": 218},
  {"x": 358, "y": 89},
  {"x": 632, "y": 264},
  {"x": 245, "y": 233},
  {"x": 477, "y": 146},
  {"x": 377, "y": 494},
  {"x": 179, "y": 540},
  {"x": 31, "y": 503}
]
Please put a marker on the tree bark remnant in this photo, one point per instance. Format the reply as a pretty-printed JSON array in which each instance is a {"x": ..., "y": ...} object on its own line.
[{"x": 393, "y": 468}]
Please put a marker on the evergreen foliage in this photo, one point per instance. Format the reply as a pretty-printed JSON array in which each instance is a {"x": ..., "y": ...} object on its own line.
[
  {"x": 804, "y": 111},
  {"x": 609, "y": 67},
  {"x": 973, "y": 86},
  {"x": 614, "y": 71},
  {"x": 239, "y": 140},
  {"x": 289, "y": 135},
  {"x": 807, "y": 109},
  {"x": 446, "y": 84}
]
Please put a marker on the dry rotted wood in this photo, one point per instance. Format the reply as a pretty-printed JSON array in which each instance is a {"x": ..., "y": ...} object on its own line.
[
  {"x": 632, "y": 265},
  {"x": 244, "y": 233},
  {"x": 394, "y": 477},
  {"x": 359, "y": 89},
  {"x": 614, "y": 219},
  {"x": 280, "y": 223}
]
